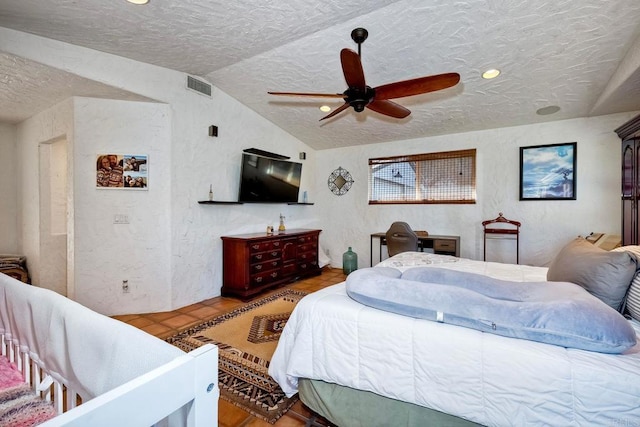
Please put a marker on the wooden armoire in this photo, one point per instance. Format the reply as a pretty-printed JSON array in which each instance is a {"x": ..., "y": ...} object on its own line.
[{"x": 630, "y": 135}]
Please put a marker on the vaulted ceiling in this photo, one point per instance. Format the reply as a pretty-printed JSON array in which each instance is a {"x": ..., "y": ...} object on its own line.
[{"x": 582, "y": 56}]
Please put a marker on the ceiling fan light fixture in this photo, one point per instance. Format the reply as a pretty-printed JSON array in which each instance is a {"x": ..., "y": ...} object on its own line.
[
  {"x": 491, "y": 74},
  {"x": 138, "y": 1},
  {"x": 360, "y": 96},
  {"x": 325, "y": 108}
]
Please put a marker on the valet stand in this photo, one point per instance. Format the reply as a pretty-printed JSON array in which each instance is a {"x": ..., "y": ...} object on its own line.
[{"x": 502, "y": 228}]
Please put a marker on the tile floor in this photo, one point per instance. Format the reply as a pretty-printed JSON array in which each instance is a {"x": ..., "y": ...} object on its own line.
[{"x": 168, "y": 323}]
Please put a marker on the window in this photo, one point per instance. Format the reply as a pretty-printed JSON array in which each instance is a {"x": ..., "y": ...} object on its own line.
[{"x": 446, "y": 177}]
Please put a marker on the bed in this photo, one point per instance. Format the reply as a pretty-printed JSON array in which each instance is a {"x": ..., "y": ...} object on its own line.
[
  {"x": 95, "y": 370},
  {"x": 357, "y": 365}
]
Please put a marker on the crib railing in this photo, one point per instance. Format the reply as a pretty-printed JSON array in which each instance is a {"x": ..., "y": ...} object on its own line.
[
  {"x": 183, "y": 388},
  {"x": 35, "y": 375},
  {"x": 194, "y": 387}
]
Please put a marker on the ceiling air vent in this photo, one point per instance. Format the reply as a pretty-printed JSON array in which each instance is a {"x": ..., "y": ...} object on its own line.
[{"x": 199, "y": 86}]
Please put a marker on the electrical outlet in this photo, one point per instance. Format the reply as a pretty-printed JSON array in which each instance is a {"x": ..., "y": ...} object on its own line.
[{"x": 125, "y": 286}]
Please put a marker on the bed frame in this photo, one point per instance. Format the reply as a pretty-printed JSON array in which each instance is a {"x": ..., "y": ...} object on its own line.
[{"x": 181, "y": 390}]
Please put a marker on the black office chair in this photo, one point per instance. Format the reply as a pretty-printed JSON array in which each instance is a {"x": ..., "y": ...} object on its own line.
[{"x": 401, "y": 238}]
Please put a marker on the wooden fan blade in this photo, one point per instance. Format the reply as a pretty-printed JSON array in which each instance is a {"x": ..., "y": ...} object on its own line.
[
  {"x": 317, "y": 95},
  {"x": 336, "y": 111},
  {"x": 416, "y": 86},
  {"x": 352, "y": 68},
  {"x": 388, "y": 108}
]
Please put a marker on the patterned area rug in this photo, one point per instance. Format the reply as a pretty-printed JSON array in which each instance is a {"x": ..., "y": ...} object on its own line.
[{"x": 246, "y": 338}]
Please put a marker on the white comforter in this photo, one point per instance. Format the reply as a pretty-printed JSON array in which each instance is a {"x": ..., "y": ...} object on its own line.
[{"x": 485, "y": 378}]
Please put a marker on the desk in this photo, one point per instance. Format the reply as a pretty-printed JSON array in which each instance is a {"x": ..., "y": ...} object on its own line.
[{"x": 442, "y": 245}]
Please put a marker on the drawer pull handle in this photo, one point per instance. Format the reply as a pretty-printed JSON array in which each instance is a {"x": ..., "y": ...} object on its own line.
[
  {"x": 256, "y": 246},
  {"x": 259, "y": 256},
  {"x": 258, "y": 267},
  {"x": 274, "y": 263},
  {"x": 276, "y": 244},
  {"x": 274, "y": 274},
  {"x": 258, "y": 279},
  {"x": 274, "y": 253}
]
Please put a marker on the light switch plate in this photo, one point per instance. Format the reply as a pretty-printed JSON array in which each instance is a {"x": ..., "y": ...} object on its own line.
[{"x": 121, "y": 219}]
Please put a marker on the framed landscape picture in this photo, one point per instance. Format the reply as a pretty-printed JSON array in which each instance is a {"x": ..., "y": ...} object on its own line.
[
  {"x": 547, "y": 172},
  {"x": 124, "y": 171}
]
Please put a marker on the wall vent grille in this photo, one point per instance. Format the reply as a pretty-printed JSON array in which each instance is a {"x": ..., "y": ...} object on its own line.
[{"x": 199, "y": 86}]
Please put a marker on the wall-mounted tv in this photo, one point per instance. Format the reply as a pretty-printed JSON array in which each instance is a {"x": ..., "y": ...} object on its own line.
[{"x": 267, "y": 180}]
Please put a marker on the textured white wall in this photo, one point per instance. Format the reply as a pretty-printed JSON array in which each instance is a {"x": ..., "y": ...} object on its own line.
[
  {"x": 108, "y": 253},
  {"x": 52, "y": 172},
  {"x": 191, "y": 266},
  {"x": 199, "y": 161},
  {"x": 8, "y": 190},
  {"x": 546, "y": 225},
  {"x": 55, "y": 123}
]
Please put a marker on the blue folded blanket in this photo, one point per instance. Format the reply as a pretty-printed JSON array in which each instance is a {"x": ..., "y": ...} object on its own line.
[{"x": 559, "y": 313}]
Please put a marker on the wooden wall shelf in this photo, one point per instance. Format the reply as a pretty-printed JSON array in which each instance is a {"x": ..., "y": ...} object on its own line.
[
  {"x": 221, "y": 202},
  {"x": 218, "y": 202}
]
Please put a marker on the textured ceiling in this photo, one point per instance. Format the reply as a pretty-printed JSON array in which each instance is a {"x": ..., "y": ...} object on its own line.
[{"x": 583, "y": 56}]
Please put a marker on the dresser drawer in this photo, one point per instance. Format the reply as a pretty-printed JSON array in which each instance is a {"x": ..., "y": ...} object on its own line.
[
  {"x": 307, "y": 246},
  {"x": 267, "y": 245},
  {"x": 307, "y": 266},
  {"x": 444, "y": 245},
  {"x": 307, "y": 239},
  {"x": 308, "y": 256},
  {"x": 255, "y": 258},
  {"x": 265, "y": 278},
  {"x": 265, "y": 266}
]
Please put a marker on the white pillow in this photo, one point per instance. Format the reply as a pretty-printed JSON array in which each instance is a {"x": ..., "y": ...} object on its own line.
[{"x": 633, "y": 295}]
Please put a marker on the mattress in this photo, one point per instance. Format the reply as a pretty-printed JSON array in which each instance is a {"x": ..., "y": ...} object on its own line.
[{"x": 485, "y": 378}]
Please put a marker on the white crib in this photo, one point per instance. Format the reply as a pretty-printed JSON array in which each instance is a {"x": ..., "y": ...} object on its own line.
[{"x": 122, "y": 376}]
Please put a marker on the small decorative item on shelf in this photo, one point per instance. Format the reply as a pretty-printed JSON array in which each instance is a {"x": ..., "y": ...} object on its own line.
[
  {"x": 211, "y": 192},
  {"x": 281, "y": 227},
  {"x": 349, "y": 261},
  {"x": 269, "y": 230}
]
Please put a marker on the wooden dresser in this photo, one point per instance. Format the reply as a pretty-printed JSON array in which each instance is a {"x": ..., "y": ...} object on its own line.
[{"x": 255, "y": 262}]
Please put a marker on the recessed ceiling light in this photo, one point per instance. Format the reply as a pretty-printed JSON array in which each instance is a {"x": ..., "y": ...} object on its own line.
[
  {"x": 545, "y": 111},
  {"x": 491, "y": 74},
  {"x": 138, "y": 1},
  {"x": 325, "y": 108}
]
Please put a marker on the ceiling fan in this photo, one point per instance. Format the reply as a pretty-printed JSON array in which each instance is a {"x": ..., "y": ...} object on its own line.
[{"x": 358, "y": 95}]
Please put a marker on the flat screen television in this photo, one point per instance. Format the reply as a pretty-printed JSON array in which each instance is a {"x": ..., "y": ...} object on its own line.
[{"x": 267, "y": 180}]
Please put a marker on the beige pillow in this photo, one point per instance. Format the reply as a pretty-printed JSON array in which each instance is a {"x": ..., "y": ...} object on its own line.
[
  {"x": 633, "y": 295},
  {"x": 604, "y": 274}
]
